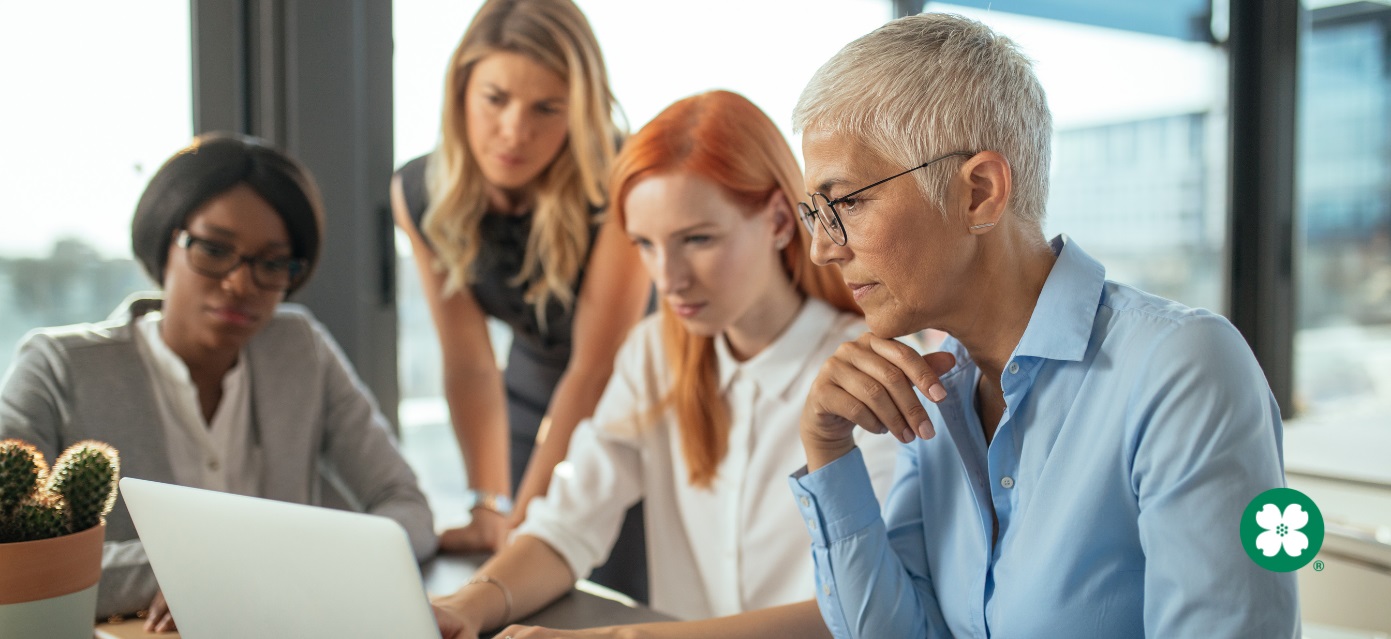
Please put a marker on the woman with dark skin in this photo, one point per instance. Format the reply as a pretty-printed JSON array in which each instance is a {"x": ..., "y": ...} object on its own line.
[{"x": 214, "y": 382}]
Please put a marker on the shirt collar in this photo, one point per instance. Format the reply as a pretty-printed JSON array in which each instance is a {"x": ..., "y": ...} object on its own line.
[
  {"x": 1061, "y": 325},
  {"x": 778, "y": 365}
]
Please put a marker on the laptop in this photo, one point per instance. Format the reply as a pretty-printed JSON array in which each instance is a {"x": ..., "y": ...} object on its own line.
[{"x": 236, "y": 566}]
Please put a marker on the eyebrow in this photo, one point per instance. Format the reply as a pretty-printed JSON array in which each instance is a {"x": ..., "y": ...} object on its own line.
[
  {"x": 828, "y": 184},
  {"x": 562, "y": 99},
  {"x": 223, "y": 232},
  {"x": 694, "y": 227}
]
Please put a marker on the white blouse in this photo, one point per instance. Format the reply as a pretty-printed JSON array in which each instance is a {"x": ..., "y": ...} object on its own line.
[
  {"x": 738, "y": 545},
  {"x": 218, "y": 455}
]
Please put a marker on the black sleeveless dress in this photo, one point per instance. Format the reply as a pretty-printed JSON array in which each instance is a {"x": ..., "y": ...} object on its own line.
[{"x": 536, "y": 360}]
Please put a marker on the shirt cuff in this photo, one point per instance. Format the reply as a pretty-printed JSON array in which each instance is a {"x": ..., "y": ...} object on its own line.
[{"x": 837, "y": 500}]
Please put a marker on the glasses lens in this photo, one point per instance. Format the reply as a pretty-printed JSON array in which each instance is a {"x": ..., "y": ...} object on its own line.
[
  {"x": 808, "y": 217},
  {"x": 829, "y": 219},
  {"x": 211, "y": 258},
  {"x": 277, "y": 275}
]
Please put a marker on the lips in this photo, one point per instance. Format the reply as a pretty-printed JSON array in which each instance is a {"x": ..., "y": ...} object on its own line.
[
  {"x": 861, "y": 289},
  {"x": 510, "y": 160},
  {"x": 686, "y": 310},
  {"x": 233, "y": 316}
]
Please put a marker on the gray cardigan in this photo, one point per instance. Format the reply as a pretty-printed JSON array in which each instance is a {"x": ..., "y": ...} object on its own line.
[{"x": 311, "y": 415}]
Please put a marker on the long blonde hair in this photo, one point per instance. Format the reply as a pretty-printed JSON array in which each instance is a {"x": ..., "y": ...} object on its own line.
[
  {"x": 726, "y": 139},
  {"x": 556, "y": 35}
]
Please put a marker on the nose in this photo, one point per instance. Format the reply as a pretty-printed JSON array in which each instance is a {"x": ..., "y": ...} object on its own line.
[
  {"x": 514, "y": 124},
  {"x": 240, "y": 281},
  {"x": 671, "y": 273},
  {"x": 823, "y": 250}
]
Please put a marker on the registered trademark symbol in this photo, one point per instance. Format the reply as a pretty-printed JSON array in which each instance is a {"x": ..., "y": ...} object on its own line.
[{"x": 1318, "y": 566}]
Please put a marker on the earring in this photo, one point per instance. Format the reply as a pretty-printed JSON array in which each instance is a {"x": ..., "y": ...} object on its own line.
[{"x": 982, "y": 226}]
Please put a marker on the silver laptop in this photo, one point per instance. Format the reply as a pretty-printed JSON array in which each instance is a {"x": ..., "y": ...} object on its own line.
[{"x": 234, "y": 566}]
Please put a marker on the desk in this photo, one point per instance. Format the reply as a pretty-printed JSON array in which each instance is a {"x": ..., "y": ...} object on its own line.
[{"x": 586, "y": 606}]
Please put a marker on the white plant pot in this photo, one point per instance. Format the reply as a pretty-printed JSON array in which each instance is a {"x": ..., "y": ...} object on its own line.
[{"x": 48, "y": 588}]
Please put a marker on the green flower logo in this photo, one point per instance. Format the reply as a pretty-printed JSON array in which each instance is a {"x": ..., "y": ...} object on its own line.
[{"x": 1282, "y": 530}]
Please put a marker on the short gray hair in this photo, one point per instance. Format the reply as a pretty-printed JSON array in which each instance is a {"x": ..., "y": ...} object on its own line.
[{"x": 923, "y": 86}]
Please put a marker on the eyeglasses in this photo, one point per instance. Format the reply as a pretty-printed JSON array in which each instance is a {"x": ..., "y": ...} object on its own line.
[
  {"x": 830, "y": 219},
  {"x": 218, "y": 260}
]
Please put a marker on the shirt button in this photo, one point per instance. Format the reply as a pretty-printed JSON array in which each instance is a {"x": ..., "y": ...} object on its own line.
[
  {"x": 1007, "y": 482},
  {"x": 811, "y": 523},
  {"x": 806, "y": 503},
  {"x": 826, "y": 589},
  {"x": 1013, "y": 367}
]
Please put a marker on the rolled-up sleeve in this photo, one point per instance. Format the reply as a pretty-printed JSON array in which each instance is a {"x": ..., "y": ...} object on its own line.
[{"x": 602, "y": 475}]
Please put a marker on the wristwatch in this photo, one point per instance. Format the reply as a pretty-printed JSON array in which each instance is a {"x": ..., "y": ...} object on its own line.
[{"x": 496, "y": 502}]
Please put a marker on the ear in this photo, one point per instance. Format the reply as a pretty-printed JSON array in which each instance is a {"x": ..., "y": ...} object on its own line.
[
  {"x": 779, "y": 211},
  {"x": 987, "y": 189}
]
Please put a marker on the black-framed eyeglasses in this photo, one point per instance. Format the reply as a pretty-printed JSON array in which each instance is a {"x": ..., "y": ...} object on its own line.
[
  {"x": 830, "y": 218},
  {"x": 217, "y": 260}
]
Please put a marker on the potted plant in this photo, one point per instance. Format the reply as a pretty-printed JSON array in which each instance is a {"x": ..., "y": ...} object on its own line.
[{"x": 52, "y": 524}]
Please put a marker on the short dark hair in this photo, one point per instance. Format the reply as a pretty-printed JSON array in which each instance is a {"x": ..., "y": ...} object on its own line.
[{"x": 212, "y": 165}]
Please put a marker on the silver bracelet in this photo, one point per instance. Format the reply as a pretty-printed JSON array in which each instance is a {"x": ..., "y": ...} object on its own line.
[
  {"x": 506, "y": 595},
  {"x": 496, "y": 502}
]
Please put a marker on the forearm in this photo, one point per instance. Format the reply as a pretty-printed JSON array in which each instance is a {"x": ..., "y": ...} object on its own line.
[
  {"x": 478, "y": 413},
  {"x": 575, "y": 398},
  {"x": 793, "y": 620},
  {"x": 533, "y": 574}
]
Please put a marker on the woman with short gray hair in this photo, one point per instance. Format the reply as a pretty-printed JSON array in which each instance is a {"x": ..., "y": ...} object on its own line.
[{"x": 1078, "y": 455}]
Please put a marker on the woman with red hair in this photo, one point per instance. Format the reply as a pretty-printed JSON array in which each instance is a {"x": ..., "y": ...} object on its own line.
[{"x": 700, "y": 417}]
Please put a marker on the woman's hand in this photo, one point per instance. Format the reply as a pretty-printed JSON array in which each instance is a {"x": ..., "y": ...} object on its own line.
[
  {"x": 537, "y": 632},
  {"x": 452, "y": 624},
  {"x": 485, "y": 534},
  {"x": 870, "y": 382},
  {"x": 159, "y": 618}
]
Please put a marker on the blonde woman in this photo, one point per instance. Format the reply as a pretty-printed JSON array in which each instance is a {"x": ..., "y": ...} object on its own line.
[{"x": 503, "y": 218}]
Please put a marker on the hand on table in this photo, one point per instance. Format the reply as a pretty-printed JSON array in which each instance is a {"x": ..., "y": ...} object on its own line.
[
  {"x": 485, "y": 534},
  {"x": 870, "y": 382},
  {"x": 537, "y": 632},
  {"x": 159, "y": 618},
  {"x": 452, "y": 624}
]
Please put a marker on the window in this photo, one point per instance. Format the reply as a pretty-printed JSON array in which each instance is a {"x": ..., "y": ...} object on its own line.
[
  {"x": 92, "y": 108},
  {"x": 1139, "y": 167},
  {"x": 1343, "y": 343}
]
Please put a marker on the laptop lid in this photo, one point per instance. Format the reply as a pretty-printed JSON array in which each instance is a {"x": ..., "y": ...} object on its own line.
[{"x": 236, "y": 566}]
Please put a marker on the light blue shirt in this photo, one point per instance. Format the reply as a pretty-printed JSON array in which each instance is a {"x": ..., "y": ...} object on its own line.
[{"x": 1136, "y": 430}]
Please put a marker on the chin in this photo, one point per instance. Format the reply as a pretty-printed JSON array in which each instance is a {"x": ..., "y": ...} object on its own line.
[
  {"x": 230, "y": 338},
  {"x": 889, "y": 326},
  {"x": 510, "y": 179},
  {"x": 702, "y": 329}
]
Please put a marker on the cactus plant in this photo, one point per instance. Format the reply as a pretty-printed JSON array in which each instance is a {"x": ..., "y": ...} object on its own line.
[
  {"x": 21, "y": 471},
  {"x": 85, "y": 475},
  {"x": 79, "y": 491},
  {"x": 42, "y": 516}
]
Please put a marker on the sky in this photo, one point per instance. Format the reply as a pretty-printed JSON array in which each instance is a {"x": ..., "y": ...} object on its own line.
[{"x": 99, "y": 103}]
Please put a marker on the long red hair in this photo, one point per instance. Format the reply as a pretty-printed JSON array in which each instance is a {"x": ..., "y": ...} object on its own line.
[{"x": 722, "y": 137}]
